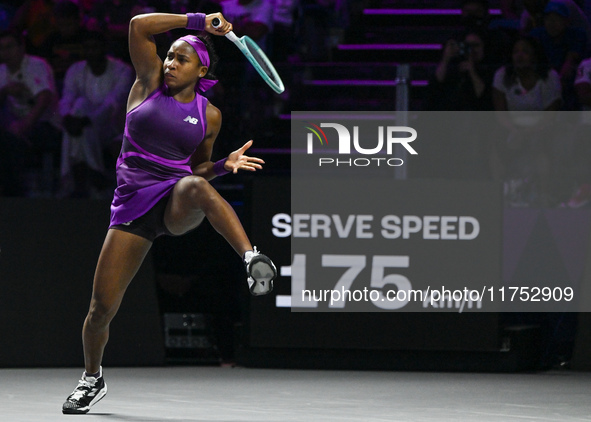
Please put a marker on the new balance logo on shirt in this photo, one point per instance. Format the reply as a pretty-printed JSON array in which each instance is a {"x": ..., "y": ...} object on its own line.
[{"x": 192, "y": 120}]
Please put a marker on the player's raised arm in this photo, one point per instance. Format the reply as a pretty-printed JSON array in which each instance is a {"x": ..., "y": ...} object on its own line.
[{"x": 142, "y": 48}]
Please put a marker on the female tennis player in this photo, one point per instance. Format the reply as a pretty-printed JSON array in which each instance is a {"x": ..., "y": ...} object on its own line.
[{"x": 162, "y": 178}]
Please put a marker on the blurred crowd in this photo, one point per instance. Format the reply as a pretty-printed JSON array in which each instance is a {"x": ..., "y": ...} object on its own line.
[
  {"x": 65, "y": 74},
  {"x": 531, "y": 66}
]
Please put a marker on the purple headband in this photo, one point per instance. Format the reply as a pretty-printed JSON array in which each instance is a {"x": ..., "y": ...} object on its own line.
[{"x": 201, "y": 50}]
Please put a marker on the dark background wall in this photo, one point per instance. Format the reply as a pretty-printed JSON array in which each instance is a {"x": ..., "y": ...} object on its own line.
[{"x": 49, "y": 250}]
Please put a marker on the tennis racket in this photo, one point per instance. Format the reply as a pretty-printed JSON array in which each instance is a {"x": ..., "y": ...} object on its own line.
[{"x": 256, "y": 57}]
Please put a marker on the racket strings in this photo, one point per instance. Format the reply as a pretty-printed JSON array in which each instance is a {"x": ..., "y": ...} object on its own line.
[{"x": 258, "y": 55}]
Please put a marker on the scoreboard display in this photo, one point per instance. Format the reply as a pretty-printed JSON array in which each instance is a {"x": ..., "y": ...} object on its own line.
[{"x": 376, "y": 273}]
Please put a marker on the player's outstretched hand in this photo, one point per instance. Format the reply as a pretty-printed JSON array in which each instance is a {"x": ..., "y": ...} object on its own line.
[{"x": 238, "y": 161}]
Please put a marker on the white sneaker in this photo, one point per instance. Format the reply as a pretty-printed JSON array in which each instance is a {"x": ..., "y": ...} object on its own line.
[
  {"x": 88, "y": 392},
  {"x": 260, "y": 271}
]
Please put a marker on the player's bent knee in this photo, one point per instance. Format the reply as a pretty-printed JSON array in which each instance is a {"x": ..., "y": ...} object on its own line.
[
  {"x": 198, "y": 184},
  {"x": 195, "y": 187}
]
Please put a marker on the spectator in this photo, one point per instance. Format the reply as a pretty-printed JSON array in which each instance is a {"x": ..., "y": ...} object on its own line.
[
  {"x": 475, "y": 13},
  {"x": 511, "y": 9},
  {"x": 463, "y": 78},
  {"x": 283, "y": 48},
  {"x": 28, "y": 97},
  {"x": 533, "y": 16},
  {"x": 564, "y": 47},
  {"x": 525, "y": 86},
  {"x": 85, "y": 6},
  {"x": 64, "y": 46},
  {"x": 283, "y": 30},
  {"x": 112, "y": 18},
  {"x": 583, "y": 88},
  {"x": 250, "y": 17},
  {"x": 581, "y": 148},
  {"x": 93, "y": 115},
  {"x": 462, "y": 82},
  {"x": 476, "y": 17},
  {"x": 322, "y": 24},
  {"x": 7, "y": 13},
  {"x": 36, "y": 18}
]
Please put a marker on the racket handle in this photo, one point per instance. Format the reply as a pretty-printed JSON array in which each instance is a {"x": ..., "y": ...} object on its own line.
[{"x": 230, "y": 35}]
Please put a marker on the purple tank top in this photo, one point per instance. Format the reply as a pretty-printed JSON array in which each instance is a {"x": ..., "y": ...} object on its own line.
[{"x": 160, "y": 136}]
